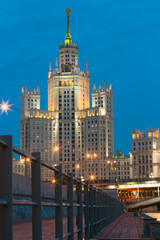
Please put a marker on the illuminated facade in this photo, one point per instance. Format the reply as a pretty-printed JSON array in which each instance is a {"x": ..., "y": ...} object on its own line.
[
  {"x": 123, "y": 166},
  {"x": 70, "y": 132},
  {"x": 118, "y": 167},
  {"x": 145, "y": 154}
]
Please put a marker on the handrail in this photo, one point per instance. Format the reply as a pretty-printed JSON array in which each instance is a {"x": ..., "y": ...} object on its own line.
[
  {"x": 3, "y": 143},
  {"x": 95, "y": 206}
]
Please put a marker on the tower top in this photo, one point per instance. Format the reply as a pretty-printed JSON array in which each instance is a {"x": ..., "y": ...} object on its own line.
[
  {"x": 68, "y": 11},
  {"x": 68, "y": 43},
  {"x": 68, "y": 40}
]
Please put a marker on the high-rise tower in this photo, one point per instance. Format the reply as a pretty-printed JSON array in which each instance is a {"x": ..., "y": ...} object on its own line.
[{"x": 71, "y": 133}]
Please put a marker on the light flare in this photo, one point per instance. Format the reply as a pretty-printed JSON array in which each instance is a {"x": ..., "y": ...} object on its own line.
[
  {"x": 53, "y": 181},
  {"x": 56, "y": 149},
  {"x": 5, "y": 106},
  {"x": 77, "y": 166},
  {"x": 92, "y": 177}
]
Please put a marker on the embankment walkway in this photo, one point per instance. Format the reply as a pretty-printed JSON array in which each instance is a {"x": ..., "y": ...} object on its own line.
[
  {"x": 126, "y": 226},
  {"x": 23, "y": 229}
]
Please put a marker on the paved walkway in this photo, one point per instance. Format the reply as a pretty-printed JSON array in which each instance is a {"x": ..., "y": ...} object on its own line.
[
  {"x": 23, "y": 229},
  {"x": 124, "y": 227}
]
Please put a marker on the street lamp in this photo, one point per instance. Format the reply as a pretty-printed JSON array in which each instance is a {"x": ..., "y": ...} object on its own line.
[
  {"x": 151, "y": 175},
  {"x": 92, "y": 177},
  {"x": 77, "y": 166},
  {"x": 56, "y": 148},
  {"x": 53, "y": 181},
  {"x": 28, "y": 159}
]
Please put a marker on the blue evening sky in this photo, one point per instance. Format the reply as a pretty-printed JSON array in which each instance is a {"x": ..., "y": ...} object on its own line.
[{"x": 120, "y": 39}]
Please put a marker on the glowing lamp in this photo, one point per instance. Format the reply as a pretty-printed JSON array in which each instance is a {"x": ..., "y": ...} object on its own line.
[
  {"x": 92, "y": 177},
  {"x": 77, "y": 166},
  {"x": 28, "y": 159},
  {"x": 53, "y": 181},
  {"x": 56, "y": 148}
]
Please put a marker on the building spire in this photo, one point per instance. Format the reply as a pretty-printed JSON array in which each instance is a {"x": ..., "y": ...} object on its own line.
[
  {"x": 76, "y": 68},
  {"x": 49, "y": 70},
  {"x": 94, "y": 87},
  {"x": 87, "y": 71},
  {"x": 110, "y": 87},
  {"x": 68, "y": 40},
  {"x": 56, "y": 70},
  {"x": 25, "y": 89},
  {"x": 22, "y": 90},
  {"x": 68, "y": 11},
  {"x": 38, "y": 90},
  {"x": 56, "y": 62}
]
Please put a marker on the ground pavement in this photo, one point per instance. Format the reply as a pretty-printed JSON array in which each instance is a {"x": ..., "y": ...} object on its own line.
[{"x": 126, "y": 226}]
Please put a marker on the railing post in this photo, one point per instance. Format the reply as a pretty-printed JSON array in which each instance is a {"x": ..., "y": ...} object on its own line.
[
  {"x": 101, "y": 211},
  {"x": 106, "y": 211},
  {"x": 91, "y": 212},
  {"x": 98, "y": 211},
  {"x": 36, "y": 197},
  {"x": 80, "y": 210},
  {"x": 86, "y": 212},
  {"x": 6, "y": 188},
  {"x": 58, "y": 200},
  {"x": 110, "y": 210},
  {"x": 95, "y": 210},
  {"x": 70, "y": 208}
]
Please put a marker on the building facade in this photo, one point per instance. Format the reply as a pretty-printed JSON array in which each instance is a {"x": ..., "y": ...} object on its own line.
[
  {"x": 118, "y": 167},
  {"x": 123, "y": 166},
  {"x": 145, "y": 154},
  {"x": 70, "y": 132}
]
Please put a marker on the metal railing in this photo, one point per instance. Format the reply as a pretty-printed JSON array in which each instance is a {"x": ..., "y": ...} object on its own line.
[{"x": 95, "y": 209}]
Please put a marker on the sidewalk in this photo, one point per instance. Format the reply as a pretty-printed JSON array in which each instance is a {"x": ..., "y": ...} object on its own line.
[
  {"x": 23, "y": 229},
  {"x": 124, "y": 227}
]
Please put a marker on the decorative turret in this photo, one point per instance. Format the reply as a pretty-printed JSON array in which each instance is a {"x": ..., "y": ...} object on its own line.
[
  {"x": 94, "y": 87},
  {"x": 56, "y": 69},
  {"x": 77, "y": 68},
  {"x": 25, "y": 89},
  {"x": 38, "y": 90},
  {"x": 29, "y": 100},
  {"x": 49, "y": 70},
  {"x": 104, "y": 85},
  {"x": 110, "y": 87},
  {"x": 22, "y": 90}
]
